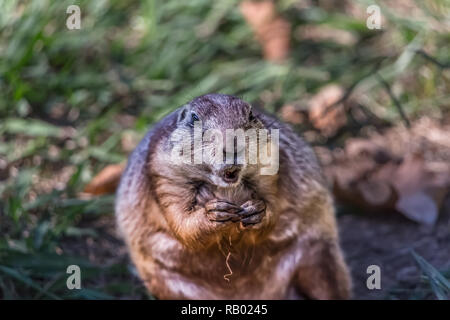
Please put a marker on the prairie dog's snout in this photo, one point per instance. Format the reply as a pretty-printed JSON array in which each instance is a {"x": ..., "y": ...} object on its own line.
[{"x": 234, "y": 160}]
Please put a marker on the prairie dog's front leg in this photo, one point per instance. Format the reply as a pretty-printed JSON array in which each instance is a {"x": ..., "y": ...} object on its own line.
[
  {"x": 323, "y": 274},
  {"x": 250, "y": 213},
  {"x": 197, "y": 218}
]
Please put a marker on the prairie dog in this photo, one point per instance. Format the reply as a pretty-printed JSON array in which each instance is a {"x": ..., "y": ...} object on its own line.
[{"x": 225, "y": 231}]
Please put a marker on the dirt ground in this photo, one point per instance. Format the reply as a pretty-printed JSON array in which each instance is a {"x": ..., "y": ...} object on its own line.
[
  {"x": 386, "y": 240},
  {"x": 383, "y": 239}
]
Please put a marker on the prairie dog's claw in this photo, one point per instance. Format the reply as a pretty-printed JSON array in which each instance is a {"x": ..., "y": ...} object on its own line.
[
  {"x": 222, "y": 211},
  {"x": 253, "y": 211}
]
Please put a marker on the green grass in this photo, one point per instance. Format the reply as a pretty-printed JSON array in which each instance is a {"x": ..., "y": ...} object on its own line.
[
  {"x": 69, "y": 98},
  {"x": 439, "y": 284}
]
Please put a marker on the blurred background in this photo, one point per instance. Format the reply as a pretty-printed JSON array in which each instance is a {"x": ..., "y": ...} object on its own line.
[{"x": 374, "y": 103}]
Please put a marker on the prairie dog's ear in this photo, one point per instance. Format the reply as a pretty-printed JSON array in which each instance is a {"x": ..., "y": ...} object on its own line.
[
  {"x": 182, "y": 113},
  {"x": 187, "y": 116},
  {"x": 250, "y": 115}
]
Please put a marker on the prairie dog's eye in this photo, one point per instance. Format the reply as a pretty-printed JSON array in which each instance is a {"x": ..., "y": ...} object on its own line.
[{"x": 194, "y": 117}]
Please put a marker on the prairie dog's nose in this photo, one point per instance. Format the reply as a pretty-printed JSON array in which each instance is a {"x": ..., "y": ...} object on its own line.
[{"x": 230, "y": 173}]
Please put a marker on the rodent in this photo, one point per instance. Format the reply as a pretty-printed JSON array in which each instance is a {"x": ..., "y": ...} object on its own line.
[{"x": 195, "y": 231}]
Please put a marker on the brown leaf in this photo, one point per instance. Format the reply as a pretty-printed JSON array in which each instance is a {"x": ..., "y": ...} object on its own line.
[
  {"x": 271, "y": 31},
  {"x": 258, "y": 13},
  {"x": 410, "y": 175},
  {"x": 376, "y": 193},
  {"x": 360, "y": 147},
  {"x": 290, "y": 114},
  {"x": 324, "y": 117},
  {"x": 351, "y": 186},
  {"x": 396, "y": 170},
  {"x": 106, "y": 181},
  {"x": 325, "y": 33},
  {"x": 411, "y": 181}
]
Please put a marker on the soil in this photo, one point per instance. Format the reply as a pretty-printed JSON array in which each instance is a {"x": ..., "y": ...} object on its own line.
[
  {"x": 386, "y": 240},
  {"x": 382, "y": 239}
]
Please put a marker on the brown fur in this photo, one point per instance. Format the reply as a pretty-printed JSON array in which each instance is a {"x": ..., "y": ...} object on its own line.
[{"x": 169, "y": 216}]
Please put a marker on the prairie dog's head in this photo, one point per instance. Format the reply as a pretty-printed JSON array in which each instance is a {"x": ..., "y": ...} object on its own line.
[{"x": 217, "y": 140}]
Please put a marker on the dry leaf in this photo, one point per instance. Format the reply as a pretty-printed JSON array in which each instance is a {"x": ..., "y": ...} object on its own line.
[
  {"x": 398, "y": 170},
  {"x": 290, "y": 114},
  {"x": 106, "y": 181},
  {"x": 325, "y": 33},
  {"x": 376, "y": 193},
  {"x": 327, "y": 120},
  {"x": 271, "y": 31}
]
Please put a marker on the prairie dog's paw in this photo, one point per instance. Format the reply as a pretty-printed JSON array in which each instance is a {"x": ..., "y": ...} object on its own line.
[
  {"x": 253, "y": 211},
  {"x": 204, "y": 194},
  {"x": 222, "y": 211}
]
